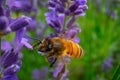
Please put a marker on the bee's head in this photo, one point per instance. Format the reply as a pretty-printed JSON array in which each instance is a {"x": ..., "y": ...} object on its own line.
[{"x": 45, "y": 45}]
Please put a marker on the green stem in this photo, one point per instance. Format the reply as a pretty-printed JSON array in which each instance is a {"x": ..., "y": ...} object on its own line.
[
  {"x": 116, "y": 74},
  {"x": 64, "y": 27}
]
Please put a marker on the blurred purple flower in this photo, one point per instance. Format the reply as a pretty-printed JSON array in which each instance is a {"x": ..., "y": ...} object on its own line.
[
  {"x": 40, "y": 74},
  {"x": 107, "y": 64},
  {"x": 21, "y": 5},
  {"x": 111, "y": 8}
]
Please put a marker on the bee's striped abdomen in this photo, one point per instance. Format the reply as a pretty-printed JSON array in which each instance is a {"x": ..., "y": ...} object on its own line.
[{"x": 73, "y": 49}]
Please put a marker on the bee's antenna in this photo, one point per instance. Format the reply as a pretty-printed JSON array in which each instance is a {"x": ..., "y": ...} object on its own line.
[
  {"x": 38, "y": 40},
  {"x": 36, "y": 44},
  {"x": 32, "y": 38}
]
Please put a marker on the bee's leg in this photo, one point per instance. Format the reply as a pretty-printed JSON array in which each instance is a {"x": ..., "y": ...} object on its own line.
[
  {"x": 51, "y": 64},
  {"x": 36, "y": 44}
]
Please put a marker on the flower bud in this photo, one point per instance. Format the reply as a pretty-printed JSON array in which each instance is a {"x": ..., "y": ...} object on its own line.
[{"x": 19, "y": 23}]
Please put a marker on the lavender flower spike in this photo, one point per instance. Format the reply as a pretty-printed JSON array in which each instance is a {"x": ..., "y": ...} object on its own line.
[{"x": 9, "y": 65}]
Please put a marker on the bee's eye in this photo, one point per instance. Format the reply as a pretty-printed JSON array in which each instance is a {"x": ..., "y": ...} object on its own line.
[{"x": 50, "y": 46}]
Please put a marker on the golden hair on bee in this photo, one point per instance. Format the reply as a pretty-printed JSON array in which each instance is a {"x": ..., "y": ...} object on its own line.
[{"x": 56, "y": 47}]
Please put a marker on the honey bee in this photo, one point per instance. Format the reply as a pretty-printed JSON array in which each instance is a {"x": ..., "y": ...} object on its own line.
[{"x": 56, "y": 47}]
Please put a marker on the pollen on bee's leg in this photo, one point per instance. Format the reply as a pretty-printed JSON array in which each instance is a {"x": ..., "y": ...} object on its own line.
[{"x": 46, "y": 59}]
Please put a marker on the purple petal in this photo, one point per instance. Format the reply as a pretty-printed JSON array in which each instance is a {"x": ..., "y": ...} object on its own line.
[
  {"x": 83, "y": 7},
  {"x": 1, "y": 2},
  {"x": 39, "y": 32},
  {"x": 1, "y": 10},
  {"x": 51, "y": 59},
  {"x": 18, "y": 39},
  {"x": 56, "y": 71},
  {"x": 7, "y": 13},
  {"x": 25, "y": 43},
  {"x": 71, "y": 33},
  {"x": 38, "y": 74},
  {"x": 3, "y": 23},
  {"x": 9, "y": 58},
  {"x": 81, "y": 2},
  {"x": 11, "y": 69},
  {"x": 76, "y": 39},
  {"x": 31, "y": 25},
  {"x": 4, "y": 29},
  {"x": 20, "y": 23},
  {"x": 73, "y": 7},
  {"x": 54, "y": 20},
  {"x": 5, "y": 45},
  {"x": 70, "y": 22},
  {"x": 61, "y": 19},
  {"x": 9, "y": 77}
]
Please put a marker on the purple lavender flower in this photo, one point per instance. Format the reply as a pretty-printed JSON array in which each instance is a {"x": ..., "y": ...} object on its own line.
[
  {"x": 10, "y": 60},
  {"x": 56, "y": 18},
  {"x": 107, "y": 64},
  {"x": 62, "y": 19},
  {"x": 40, "y": 74}
]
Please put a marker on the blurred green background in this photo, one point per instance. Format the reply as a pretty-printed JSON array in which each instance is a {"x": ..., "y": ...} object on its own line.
[{"x": 99, "y": 38}]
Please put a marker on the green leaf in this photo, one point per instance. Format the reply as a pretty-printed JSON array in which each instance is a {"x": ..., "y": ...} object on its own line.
[
  {"x": 10, "y": 36},
  {"x": 116, "y": 74}
]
